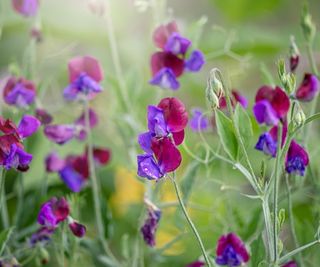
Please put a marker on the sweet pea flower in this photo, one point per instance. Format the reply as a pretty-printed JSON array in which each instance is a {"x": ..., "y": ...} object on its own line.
[
  {"x": 198, "y": 122},
  {"x": 197, "y": 264},
  {"x": 170, "y": 63},
  {"x": 42, "y": 235},
  {"x": 19, "y": 92},
  {"x": 12, "y": 154},
  {"x": 271, "y": 105},
  {"x": 63, "y": 133},
  {"x": 85, "y": 74},
  {"x": 51, "y": 214},
  {"x": 43, "y": 116},
  {"x": 27, "y": 8},
  {"x": 308, "y": 88},
  {"x": 150, "y": 226},
  {"x": 290, "y": 264},
  {"x": 267, "y": 142},
  {"x": 166, "y": 123},
  {"x": 74, "y": 169},
  {"x": 231, "y": 251},
  {"x": 236, "y": 97},
  {"x": 297, "y": 159}
]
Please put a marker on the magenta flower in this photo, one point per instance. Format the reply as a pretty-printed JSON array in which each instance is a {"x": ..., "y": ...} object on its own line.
[
  {"x": 294, "y": 62},
  {"x": 297, "y": 159},
  {"x": 271, "y": 105},
  {"x": 19, "y": 92},
  {"x": 290, "y": 264},
  {"x": 268, "y": 141},
  {"x": 51, "y": 214},
  {"x": 150, "y": 225},
  {"x": 43, "y": 236},
  {"x": 166, "y": 124},
  {"x": 81, "y": 124},
  {"x": 231, "y": 251},
  {"x": 43, "y": 116},
  {"x": 12, "y": 154},
  {"x": 196, "y": 264},
  {"x": 308, "y": 88},
  {"x": 26, "y": 8},
  {"x": 85, "y": 74},
  {"x": 198, "y": 122},
  {"x": 170, "y": 63},
  {"x": 235, "y": 98},
  {"x": 54, "y": 163}
]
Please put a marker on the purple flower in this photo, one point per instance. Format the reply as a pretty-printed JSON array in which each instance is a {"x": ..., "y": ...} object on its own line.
[
  {"x": 85, "y": 73},
  {"x": 53, "y": 212},
  {"x": 54, "y": 163},
  {"x": 26, "y": 8},
  {"x": 77, "y": 229},
  {"x": 43, "y": 235},
  {"x": 80, "y": 123},
  {"x": 19, "y": 92},
  {"x": 308, "y": 88},
  {"x": 196, "y": 264},
  {"x": 290, "y": 264},
  {"x": 12, "y": 154},
  {"x": 198, "y": 122},
  {"x": 297, "y": 159},
  {"x": 61, "y": 133},
  {"x": 150, "y": 225},
  {"x": 170, "y": 63},
  {"x": 195, "y": 62},
  {"x": 271, "y": 105},
  {"x": 166, "y": 124},
  {"x": 231, "y": 251},
  {"x": 177, "y": 44},
  {"x": 165, "y": 79}
]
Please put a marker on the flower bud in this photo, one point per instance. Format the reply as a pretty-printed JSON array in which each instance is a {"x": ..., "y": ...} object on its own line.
[
  {"x": 294, "y": 55},
  {"x": 308, "y": 27},
  {"x": 299, "y": 118},
  {"x": 214, "y": 90},
  {"x": 44, "y": 256}
]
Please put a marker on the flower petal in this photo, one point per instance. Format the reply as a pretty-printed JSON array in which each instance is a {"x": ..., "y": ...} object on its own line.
[
  {"x": 148, "y": 168},
  {"x": 28, "y": 125},
  {"x": 308, "y": 88},
  {"x": 160, "y": 60},
  {"x": 162, "y": 33},
  {"x": 195, "y": 61},
  {"x": 165, "y": 79}
]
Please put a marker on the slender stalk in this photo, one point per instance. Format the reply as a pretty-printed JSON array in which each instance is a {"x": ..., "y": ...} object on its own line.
[
  {"x": 95, "y": 187},
  {"x": 297, "y": 250},
  {"x": 267, "y": 219},
  {"x": 194, "y": 229},
  {"x": 275, "y": 195},
  {"x": 20, "y": 189},
  {"x": 2, "y": 178},
  {"x": 3, "y": 202},
  {"x": 291, "y": 219}
]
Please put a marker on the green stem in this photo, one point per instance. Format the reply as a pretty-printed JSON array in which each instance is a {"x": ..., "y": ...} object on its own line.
[
  {"x": 20, "y": 189},
  {"x": 3, "y": 202},
  {"x": 194, "y": 229},
  {"x": 291, "y": 219},
  {"x": 275, "y": 195},
  {"x": 267, "y": 219},
  {"x": 286, "y": 257},
  {"x": 95, "y": 187}
]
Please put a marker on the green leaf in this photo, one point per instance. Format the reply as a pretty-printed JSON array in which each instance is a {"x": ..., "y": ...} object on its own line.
[
  {"x": 4, "y": 238},
  {"x": 189, "y": 180},
  {"x": 257, "y": 252},
  {"x": 243, "y": 123},
  {"x": 226, "y": 134}
]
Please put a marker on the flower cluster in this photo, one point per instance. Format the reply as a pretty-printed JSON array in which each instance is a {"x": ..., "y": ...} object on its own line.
[
  {"x": 150, "y": 225},
  {"x": 170, "y": 63},
  {"x": 51, "y": 214},
  {"x": 12, "y": 153},
  {"x": 271, "y": 108},
  {"x": 74, "y": 169},
  {"x": 166, "y": 123}
]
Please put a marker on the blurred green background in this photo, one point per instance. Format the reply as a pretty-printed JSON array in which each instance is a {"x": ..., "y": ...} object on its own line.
[{"x": 244, "y": 38}]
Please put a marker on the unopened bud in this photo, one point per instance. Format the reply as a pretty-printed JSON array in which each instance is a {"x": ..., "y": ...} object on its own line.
[
  {"x": 212, "y": 98},
  {"x": 294, "y": 55},
  {"x": 45, "y": 257},
  {"x": 214, "y": 90},
  {"x": 308, "y": 27},
  {"x": 299, "y": 118}
]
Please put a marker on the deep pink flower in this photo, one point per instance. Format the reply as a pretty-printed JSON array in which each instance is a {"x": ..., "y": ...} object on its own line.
[
  {"x": 163, "y": 32},
  {"x": 231, "y": 251},
  {"x": 235, "y": 98},
  {"x": 308, "y": 88},
  {"x": 77, "y": 229},
  {"x": 43, "y": 116},
  {"x": 196, "y": 264},
  {"x": 60, "y": 133},
  {"x": 271, "y": 105},
  {"x": 54, "y": 163},
  {"x": 26, "y": 8},
  {"x": 297, "y": 159},
  {"x": 290, "y": 264}
]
